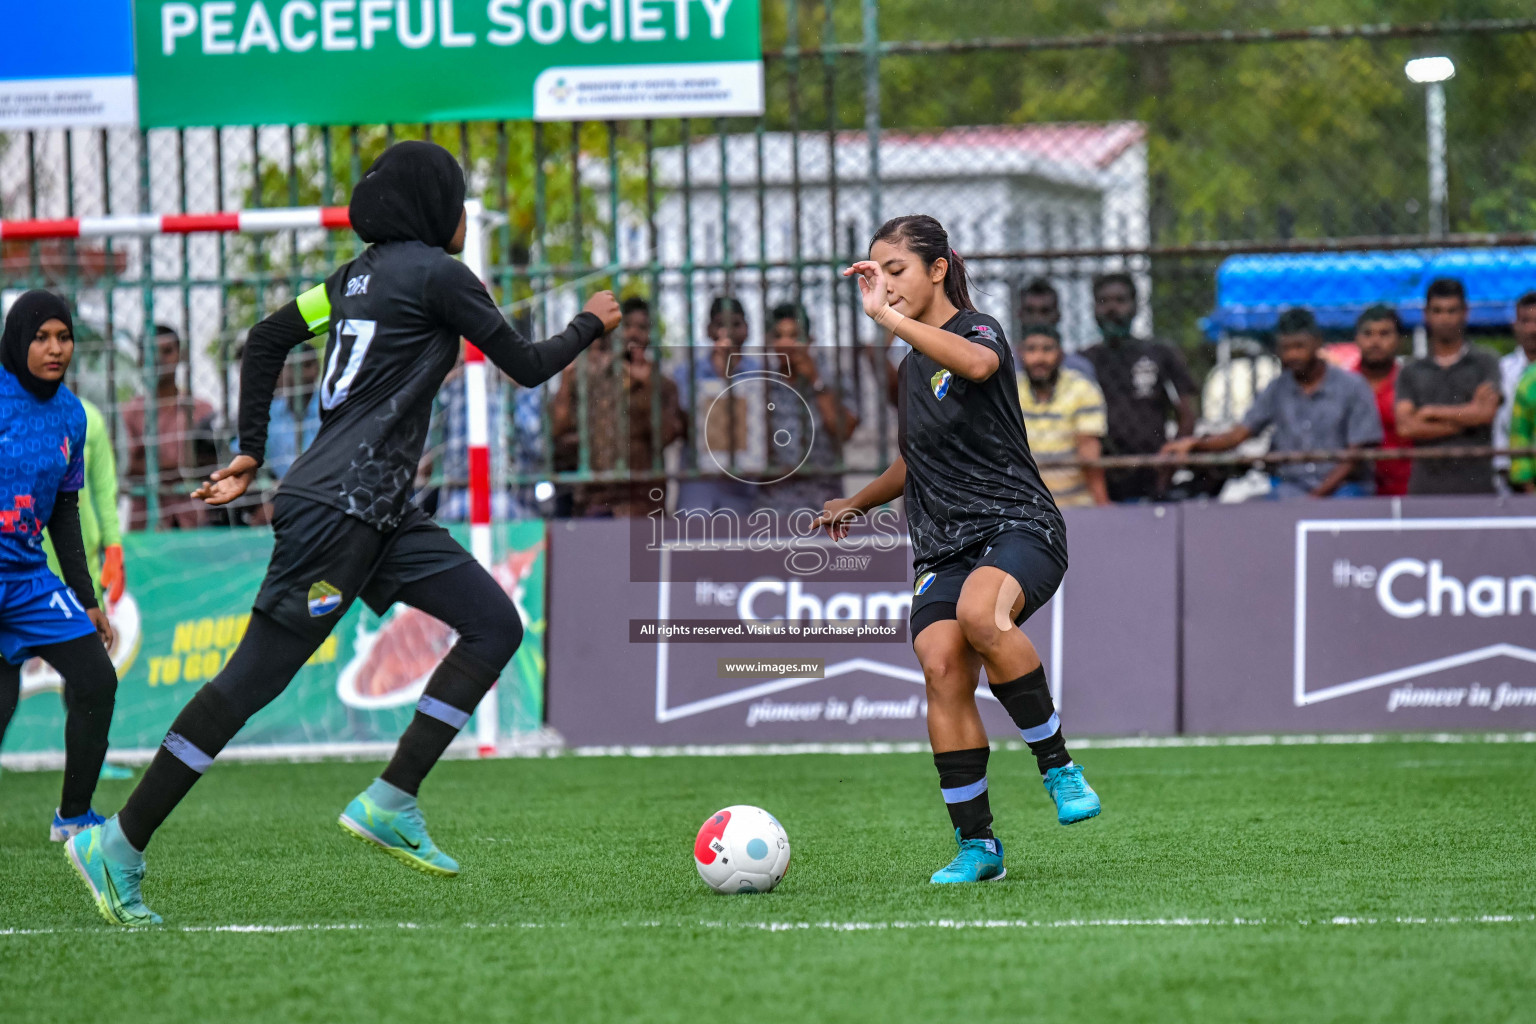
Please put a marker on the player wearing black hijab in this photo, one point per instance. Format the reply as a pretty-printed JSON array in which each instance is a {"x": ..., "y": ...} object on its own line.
[
  {"x": 393, "y": 318},
  {"x": 42, "y": 469},
  {"x": 989, "y": 546}
]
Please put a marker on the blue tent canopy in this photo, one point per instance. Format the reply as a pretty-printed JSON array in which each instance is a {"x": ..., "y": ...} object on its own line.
[{"x": 1251, "y": 291}]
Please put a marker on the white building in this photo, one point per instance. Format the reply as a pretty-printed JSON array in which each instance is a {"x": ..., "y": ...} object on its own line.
[{"x": 997, "y": 189}]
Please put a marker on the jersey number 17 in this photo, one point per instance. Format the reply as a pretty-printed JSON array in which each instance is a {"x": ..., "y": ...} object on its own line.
[{"x": 349, "y": 348}]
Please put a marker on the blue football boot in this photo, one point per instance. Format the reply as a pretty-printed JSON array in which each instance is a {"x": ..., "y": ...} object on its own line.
[
  {"x": 1075, "y": 799},
  {"x": 979, "y": 860},
  {"x": 64, "y": 828}
]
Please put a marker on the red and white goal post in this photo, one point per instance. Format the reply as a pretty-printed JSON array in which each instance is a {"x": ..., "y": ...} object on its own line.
[{"x": 333, "y": 217}]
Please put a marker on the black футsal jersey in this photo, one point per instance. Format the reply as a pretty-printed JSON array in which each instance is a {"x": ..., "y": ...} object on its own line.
[
  {"x": 393, "y": 318},
  {"x": 970, "y": 474}
]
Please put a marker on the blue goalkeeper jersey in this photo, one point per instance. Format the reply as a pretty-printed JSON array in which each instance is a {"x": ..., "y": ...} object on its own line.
[{"x": 42, "y": 452}]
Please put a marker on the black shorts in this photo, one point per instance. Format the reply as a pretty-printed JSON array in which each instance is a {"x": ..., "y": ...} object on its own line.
[
  {"x": 1037, "y": 564},
  {"x": 324, "y": 559}
]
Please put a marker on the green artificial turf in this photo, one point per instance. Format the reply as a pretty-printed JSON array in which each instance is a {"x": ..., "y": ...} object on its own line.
[{"x": 579, "y": 900}]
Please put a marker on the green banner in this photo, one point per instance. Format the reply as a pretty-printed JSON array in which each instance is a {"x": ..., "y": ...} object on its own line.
[
  {"x": 188, "y": 601},
  {"x": 237, "y": 62}
]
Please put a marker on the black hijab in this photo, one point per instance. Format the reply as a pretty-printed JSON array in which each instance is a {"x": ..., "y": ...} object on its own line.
[
  {"x": 27, "y": 314},
  {"x": 413, "y": 192}
]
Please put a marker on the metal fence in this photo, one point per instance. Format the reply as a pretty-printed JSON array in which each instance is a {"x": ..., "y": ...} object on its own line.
[{"x": 1062, "y": 157}]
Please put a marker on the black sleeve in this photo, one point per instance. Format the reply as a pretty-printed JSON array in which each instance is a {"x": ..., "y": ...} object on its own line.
[
  {"x": 458, "y": 298},
  {"x": 69, "y": 545},
  {"x": 266, "y": 349},
  {"x": 1177, "y": 371}
]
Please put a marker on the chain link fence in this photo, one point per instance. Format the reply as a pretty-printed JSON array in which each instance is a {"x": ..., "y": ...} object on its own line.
[{"x": 1057, "y": 159}]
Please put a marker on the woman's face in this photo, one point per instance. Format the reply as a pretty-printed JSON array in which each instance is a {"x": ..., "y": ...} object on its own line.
[
  {"x": 52, "y": 348},
  {"x": 910, "y": 287}
]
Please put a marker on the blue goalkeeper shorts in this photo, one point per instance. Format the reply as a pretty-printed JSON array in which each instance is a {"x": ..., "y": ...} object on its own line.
[{"x": 36, "y": 611}]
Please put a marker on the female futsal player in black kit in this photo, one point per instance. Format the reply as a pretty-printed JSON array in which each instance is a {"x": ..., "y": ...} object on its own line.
[
  {"x": 344, "y": 529},
  {"x": 988, "y": 544}
]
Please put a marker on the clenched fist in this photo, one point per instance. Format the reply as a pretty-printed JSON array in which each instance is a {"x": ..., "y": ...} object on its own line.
[{"x": 605, "y": 307}]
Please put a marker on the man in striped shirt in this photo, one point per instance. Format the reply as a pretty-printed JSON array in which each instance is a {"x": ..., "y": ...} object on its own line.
[{"x": 1063, "y": 415}]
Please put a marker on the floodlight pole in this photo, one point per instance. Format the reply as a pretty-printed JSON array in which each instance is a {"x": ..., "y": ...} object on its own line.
[{"x": 1434, "y": 117}]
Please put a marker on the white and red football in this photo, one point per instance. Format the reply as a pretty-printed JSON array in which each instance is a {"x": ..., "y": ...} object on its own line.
[{"x": 741, "y": 849}]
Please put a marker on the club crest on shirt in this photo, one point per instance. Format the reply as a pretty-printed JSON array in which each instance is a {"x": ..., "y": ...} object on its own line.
[
  {"x": 985, "y": 331},
  {"x": 940, "y": 383},
  {"x": 323, "y": 599},
  {"x": 923, "y": 583}
]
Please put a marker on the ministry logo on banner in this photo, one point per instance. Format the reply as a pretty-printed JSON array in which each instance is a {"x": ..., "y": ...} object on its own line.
[{"x": 1433, "y": 613}]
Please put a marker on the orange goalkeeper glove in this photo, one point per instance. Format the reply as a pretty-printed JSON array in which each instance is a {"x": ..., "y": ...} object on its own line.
[{"x": 112, "y": 580}]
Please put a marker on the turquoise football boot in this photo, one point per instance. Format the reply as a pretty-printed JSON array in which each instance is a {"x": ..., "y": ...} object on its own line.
[
  {"x": 114, "y": 884},
  {"x": 1075, "y": 799},
  {"x": 979, "y": 860},
  {"x": 401, "y": 834}
]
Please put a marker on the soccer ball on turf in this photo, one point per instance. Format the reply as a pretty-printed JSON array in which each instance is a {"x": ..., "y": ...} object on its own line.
[{"x": 741, "y": 849}]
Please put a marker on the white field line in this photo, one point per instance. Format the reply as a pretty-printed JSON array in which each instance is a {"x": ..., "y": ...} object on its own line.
[
  {"x": 801, "y": 926},
  {"x": 545, "y": 744},
  {"x": 1084, "y": 743}
]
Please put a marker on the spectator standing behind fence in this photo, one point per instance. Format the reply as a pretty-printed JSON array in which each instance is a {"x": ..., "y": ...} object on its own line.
[
  {"x": 1040, "y": 306},
  {"x": 295, "y": 411},
  {"x": 1063, "y": 416},
  {"x": 1313, "y": 406},
  {"x": 808, "y": 435},
  {"x": 1449, "y": 398},
  {"x": 183, "y": 435},
  {"x": 1522, "y": 433},
  {"x": 1512, "y": 368},
  {"x": 631, "y": 382},
  {"x": 1145, "y": 384},
  {"x": 294, "y": 422},
  {"x": 722, "y": 439},
  {"x": 1379, "y": 337}
]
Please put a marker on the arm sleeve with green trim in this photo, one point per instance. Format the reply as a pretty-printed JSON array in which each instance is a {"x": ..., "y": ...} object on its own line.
[
  {"x": 266, "y": 349},
  {"x": 101, "y": 478},
  {"x": 1522, "y": 429}
]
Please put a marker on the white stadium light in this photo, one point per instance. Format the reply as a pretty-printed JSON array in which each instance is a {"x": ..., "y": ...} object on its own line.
[{"x": 1430, "y": 69}]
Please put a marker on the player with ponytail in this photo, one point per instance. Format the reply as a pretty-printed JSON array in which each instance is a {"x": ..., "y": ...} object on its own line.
[{"x": 989, "y": 545}]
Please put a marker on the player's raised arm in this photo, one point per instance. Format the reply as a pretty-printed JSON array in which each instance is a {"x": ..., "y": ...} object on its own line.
[
  {"x": 957, "y": 354},
  {"x": 463, "y": 303}
]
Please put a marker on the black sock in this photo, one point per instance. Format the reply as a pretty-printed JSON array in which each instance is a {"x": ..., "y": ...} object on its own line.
[
  {"x": 10, "y": 693},
  {"x": 1028, "y": 702},
  {"x": 963, "y": 781},
  {"x": 205, "y": 725},
  {"x": 90, "y": 690},
  {"x": 445, "y": 706}
]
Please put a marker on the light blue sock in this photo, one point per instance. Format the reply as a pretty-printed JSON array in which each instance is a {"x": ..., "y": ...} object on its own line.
[
  {"x": 390, "y": 798},
  {"x": 116, "y": 845}
]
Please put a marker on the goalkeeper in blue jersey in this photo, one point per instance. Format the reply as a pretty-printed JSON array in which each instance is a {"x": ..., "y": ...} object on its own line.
[{"x": 42, "y": 469}]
